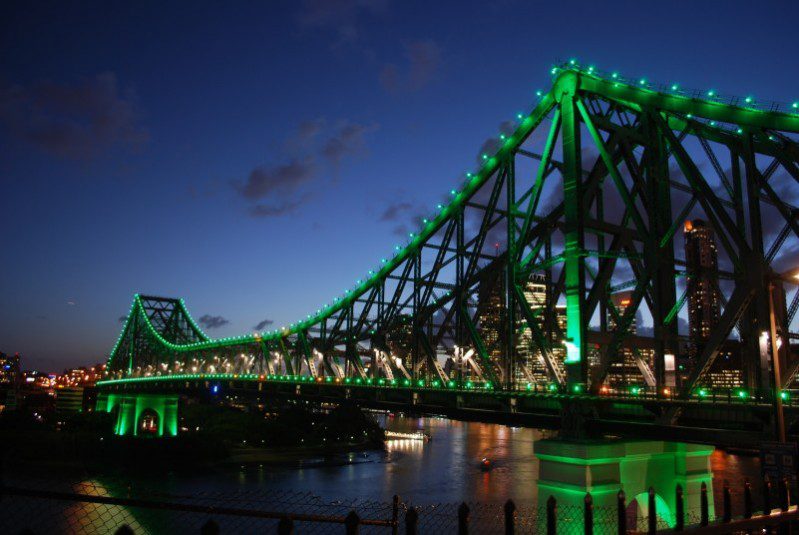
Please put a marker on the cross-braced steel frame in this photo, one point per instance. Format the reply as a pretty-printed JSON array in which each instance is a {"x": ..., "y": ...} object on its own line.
[{"x": 586, "y": 197}]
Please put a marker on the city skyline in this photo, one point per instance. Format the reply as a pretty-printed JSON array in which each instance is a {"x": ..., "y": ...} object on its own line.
[{"x": 128, "y": 170}]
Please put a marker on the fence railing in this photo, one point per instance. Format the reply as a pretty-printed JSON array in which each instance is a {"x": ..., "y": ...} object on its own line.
[{"x": 398, "y": 517}]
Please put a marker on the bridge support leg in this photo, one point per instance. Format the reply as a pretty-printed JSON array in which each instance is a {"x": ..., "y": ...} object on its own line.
[
  {"x": 568, "y": 470},
  {"x": 145, "y": 415}
]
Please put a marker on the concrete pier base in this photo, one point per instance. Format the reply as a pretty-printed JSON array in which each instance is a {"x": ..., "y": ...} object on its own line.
[{"x": 568, "y": 470}]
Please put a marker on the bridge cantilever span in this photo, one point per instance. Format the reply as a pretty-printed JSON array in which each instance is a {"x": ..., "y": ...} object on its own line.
[{"x": 534, "y": 278}]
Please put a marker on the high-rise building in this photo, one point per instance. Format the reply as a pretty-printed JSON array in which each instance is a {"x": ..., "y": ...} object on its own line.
[
  {"x": 9, "y": 369},
  {"x": 701, "y": 261},
  {"x": 491, "y": 319},
  {"x": 528, "y": 352},
  {"x": 627, "y": 371}
]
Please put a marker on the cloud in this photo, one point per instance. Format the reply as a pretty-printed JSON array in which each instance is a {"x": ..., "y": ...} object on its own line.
[
  {"x": 349, "y": 139},
  {"x": 279, "y": 189},
  {"x": 264, "y": 182},
  {"x": 212, "y": 322},
  {"x": 393, "y": 210},
  {"x": 261, "y": 324},
  {"x": 422, "y": 62},
  {"x": 78, "y": 121},
  {"x": 340, "y": 16}
]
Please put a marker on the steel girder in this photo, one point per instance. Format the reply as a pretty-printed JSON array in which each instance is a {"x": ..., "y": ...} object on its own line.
[{"x": 589, "y": 192}]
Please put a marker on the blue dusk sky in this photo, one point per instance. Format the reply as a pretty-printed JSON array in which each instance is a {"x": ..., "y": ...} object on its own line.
[{"x": 256, "y": 158}]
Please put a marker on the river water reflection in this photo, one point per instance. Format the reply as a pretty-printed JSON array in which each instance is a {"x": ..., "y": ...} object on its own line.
[{"x": 444, "y": 469}]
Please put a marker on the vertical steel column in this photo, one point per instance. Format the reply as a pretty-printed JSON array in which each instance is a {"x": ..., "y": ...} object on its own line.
[
  {"x": 662, "y": 258},
  {"x": 758, "y": 308},
  {"x": 458, "y": 301},
  {"x": 510, "y": 274},
  {"x": 574, "y": 253},
  {"x": 417, "y": 275}
]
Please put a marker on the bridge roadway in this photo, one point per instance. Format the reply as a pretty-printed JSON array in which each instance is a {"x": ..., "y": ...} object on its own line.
[{"x": 733, "y": 419}]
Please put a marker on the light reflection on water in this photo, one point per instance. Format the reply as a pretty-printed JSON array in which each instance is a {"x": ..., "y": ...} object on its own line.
[{"x": 444, "y": 469}]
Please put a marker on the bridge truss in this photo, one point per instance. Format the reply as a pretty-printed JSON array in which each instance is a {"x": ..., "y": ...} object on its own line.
[{"x": 513, "y": 281}]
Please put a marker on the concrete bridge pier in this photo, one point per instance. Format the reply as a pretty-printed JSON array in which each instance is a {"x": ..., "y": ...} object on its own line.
[
  {"x": 154, "y": 415},
  {"x": 570, "y": 469}
]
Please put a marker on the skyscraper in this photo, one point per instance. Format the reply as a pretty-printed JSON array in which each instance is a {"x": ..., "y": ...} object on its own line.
[{"x": 701, "y": 260}]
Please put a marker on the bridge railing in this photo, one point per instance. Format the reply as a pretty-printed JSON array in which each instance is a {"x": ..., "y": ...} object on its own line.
[{"x": 93, "y": 507}]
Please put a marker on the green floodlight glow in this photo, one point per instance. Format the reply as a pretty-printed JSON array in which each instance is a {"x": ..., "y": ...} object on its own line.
[
  {"x": 674, "y": 87},
  {"x": 381, "y": 382},
  {"x": 529, "y": 386},
  {"x": 749, "y": 100},
  {"x": 451, "y": 384},
  {"x": 406, "y": 382},
  {"x": 577, "y": 389},
  {"x": 703, "y": 393},
  {"x": 552, "y": 387},
  {"x": 795, "y": 105},
  {"x": 635, "y": 390},
  {"x": 358, "y": 380},
  {"x": 539, "y": 93},
  {"x": 642, "y": 81},
  {"x": 488, "y": 386},
  {"x": 553, "y": 70},
  {"x": 439, "y": 206},
  {"x": 711, "y": 93},
  {"x": 436, "y": 384},
  {"x": 742, "y": 394},
  {"x": 712, "y": 123},
  {"x": 784, "y": 395},
  {"x": 469, "y": 384},
  {"x": 614, "y": 75},
  {"x": 740, "y": 131},
  {"x": 485, "y": 156},
  {"x": 420, "y": 382},
  {"x": 519, "y": 116},
  {"x": 572, "y": 61},
  {"x": 347, "y": 380},
  {"x": 393, "y": 381},
  {"x": 690, "y": 115},
  {"x": 453, "y": 191},
  {"x": 590, "y": 69}
]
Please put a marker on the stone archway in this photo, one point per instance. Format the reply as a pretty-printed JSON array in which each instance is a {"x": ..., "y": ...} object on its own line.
[{"x": 148, "y": 424}]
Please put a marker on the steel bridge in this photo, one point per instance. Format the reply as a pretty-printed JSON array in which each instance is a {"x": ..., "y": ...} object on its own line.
[{"x": 506, "y": 298}]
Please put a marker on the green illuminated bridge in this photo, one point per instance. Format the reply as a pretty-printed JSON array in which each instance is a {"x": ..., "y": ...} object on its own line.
[{"x": 552, "y": 287}]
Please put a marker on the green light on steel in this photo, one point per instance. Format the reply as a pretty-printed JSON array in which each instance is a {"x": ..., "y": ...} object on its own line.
[
  {"x": 785, "y": 395},
  {"x": 488, "y": 386},
  {"x": 519, "y": 116},
  {"x": 795, "y": 105},
  {"x": 451, "y": 384},
  {"x": 485, "y": 156},
  {"x": 406, "y": 382},
  {"x": 703, "y": 393},
  {"x": 711, "y": 93},
  {"x": 749, "y": 100},
  {"x": 739, "y": 131},
  {"x": 572, "y": 61},
  {"x": 436, "y": 384},
  {"x": 635, "y": 390},
  {"x": 453, "y": 192},
  {"x": 590, "y": 69},
  {"x": 552, "y": 387},
  {"x": 577, "y": 389},
  {"x": 381, "y": 382},
  {"x": 469, "y": 384},
  {"x": 615, "y": 75},
  {"x": 539, "y": 93},
  {"x": 743, "y": 394},
  {"x": 674, "y": 87},
  {"x": 420, "y": 382},
  {"x": 529, "y": 386},
  {"x": 712, "y": 123},
  {"x": 642, "y": 81},
  {"x": 690, "y": 115},
  {"x": 440, "y": 206}
]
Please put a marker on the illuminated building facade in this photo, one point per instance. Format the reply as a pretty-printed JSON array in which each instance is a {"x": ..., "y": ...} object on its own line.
[
  {"x": 626, "y": 371},
  {"x": 701, "y": 261}
]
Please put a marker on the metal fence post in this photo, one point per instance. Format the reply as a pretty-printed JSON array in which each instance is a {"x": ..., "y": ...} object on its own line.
[
  {"x": 285, "y": 526},
  {"x": 727, "y": 503},
  {"x": 510, "y": 517},
  {"x": 552, "y": 516},
  {"x": 679, "y": 523},
  {"x": 747, "y": 499},
  {"x": 411, "y": 521},
  {"x": 588, "y": 514},
  {"x": 463, "y": 519},
  {"x": 766, "y": 496},
  {"x": 621, "y": 513},
  {"x": 703, "y": 505},
  {"x": 394, "y": 514},
  {"x": 785, "y": 495},
  {"x": 653, "y": 512},
  {"x": 351, "y": 522}
]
